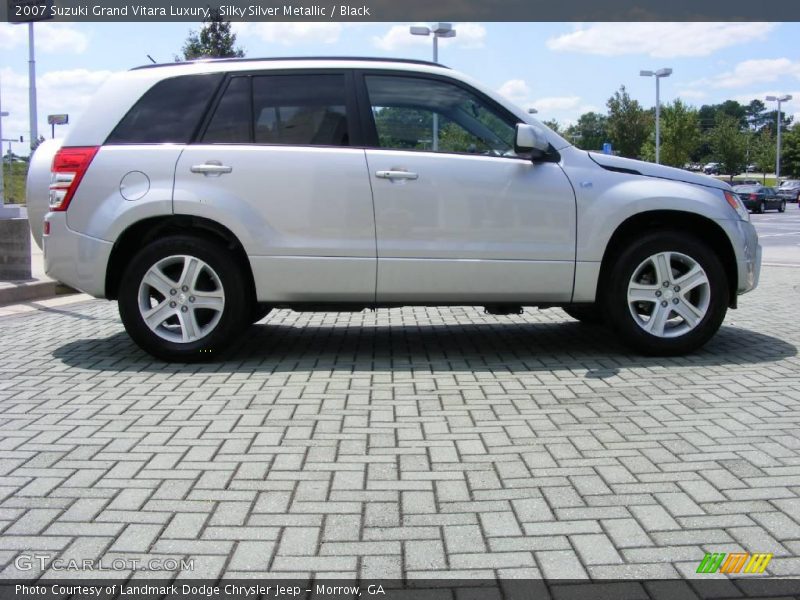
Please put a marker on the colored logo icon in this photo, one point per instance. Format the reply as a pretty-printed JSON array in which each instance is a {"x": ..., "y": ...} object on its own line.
[{"x": 744, "y": 562}]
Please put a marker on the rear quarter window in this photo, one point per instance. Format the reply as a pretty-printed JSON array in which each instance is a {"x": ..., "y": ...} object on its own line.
[{"x": 169, "y": 112}]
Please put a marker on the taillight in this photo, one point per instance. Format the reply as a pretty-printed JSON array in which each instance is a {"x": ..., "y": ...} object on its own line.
[
  {"x": 753, "y": 196},
  {"x": 69, "y": 166}
]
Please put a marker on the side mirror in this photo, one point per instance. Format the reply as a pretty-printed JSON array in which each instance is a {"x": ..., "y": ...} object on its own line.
[{"x": 530, "y": 140}]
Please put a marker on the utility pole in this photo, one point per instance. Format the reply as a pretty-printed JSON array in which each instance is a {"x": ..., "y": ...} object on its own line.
[
  {"x": 666, "y": 72},
  {"x": 32, "y": 87},
  {"x": 779, "y": 100}
]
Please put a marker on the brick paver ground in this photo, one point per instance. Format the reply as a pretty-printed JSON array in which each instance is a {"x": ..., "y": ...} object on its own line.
[{"x": 408, "y": 442}]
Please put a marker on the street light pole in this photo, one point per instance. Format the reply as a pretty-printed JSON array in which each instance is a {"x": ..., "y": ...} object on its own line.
[
  {"x": 442, "y": 30},
  {"x": 666, "y": 72},
  {"x": 32, "y": 87},
  {"x": 2, "y": 159},
  {"x": 779, "y": 100}
]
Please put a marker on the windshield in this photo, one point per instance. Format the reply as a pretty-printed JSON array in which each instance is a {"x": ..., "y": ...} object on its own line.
[
  {"x": 791, "y": 183},
  {"x": 747, "y": 188}
]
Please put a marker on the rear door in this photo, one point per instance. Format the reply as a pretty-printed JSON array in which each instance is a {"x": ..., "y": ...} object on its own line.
[{"x": 275, "y": 161}]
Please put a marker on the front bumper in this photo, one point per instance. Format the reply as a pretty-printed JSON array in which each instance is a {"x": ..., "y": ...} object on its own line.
[
  {"x": 748, "y": 255},
  {"x": 75, "y": 259}
]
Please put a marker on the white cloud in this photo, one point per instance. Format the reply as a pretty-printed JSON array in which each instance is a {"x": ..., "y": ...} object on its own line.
[
  {"x": 515, "y": 90},
  {"x": 290, "y": 34},
  {"x": 67, "y": 91},
  {"x": 468, "y": 35},
  {"x": 749, "y": 72},
  {"x": 556, "y": 103},
  {"x": 565, "y": 109},
  {"x": 692, "y": 94},
  {"x": 658, "y": 40},
  {"x": 51, "y": 38}
]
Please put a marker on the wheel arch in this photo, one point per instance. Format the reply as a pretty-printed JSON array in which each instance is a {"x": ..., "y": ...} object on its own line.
[
  {"x": 141, "y": 233},
  {"x": 702, "y": 227}
]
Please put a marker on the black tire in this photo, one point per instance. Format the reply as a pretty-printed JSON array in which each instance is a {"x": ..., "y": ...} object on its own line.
[
  {"x": 230, "y": 278},
  {"x": 259, "y": 312},
  {"x": 762, "y": 208},
  {"x": 585, "y": 313},
  {"x": 782, "y": 206},
  {"x": 616, "y": 293}
]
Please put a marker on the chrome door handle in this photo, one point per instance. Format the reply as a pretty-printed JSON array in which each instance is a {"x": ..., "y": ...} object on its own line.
[
  {"x": 396, "y": 175},
  {"x": 212, "y": 167}
]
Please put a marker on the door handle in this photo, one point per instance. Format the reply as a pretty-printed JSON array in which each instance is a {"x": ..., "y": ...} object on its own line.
[
  {"x": 396, "y": 175},
  {"x": 212, "y": 167}
]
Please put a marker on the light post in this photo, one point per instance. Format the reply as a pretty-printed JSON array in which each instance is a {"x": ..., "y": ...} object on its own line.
[
  {"x": 32, "y": 87},
  {"x": 443, "y": 30},
  {"x": 665, "y": 72},
  {"x": 779, "y": 100}
]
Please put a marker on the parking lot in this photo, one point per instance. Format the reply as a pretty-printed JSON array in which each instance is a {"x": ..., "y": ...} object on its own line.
[{"x": 405, "y": 443}]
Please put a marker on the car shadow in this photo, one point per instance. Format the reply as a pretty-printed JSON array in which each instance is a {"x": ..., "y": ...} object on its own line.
[{"x": 476, "y": 347}]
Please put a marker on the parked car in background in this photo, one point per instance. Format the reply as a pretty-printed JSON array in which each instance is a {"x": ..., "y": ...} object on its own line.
[
  {"x": 751, "y": 168},
  {"x": 201, "y": 195},
  {"x": 711, "y": 168},
  {"x": 759, "y": 198},
  {"x": 789, "y": 190}
]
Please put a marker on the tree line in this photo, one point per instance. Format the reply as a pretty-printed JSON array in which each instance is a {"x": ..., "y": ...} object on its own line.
[{"x": 732, "y": 134}]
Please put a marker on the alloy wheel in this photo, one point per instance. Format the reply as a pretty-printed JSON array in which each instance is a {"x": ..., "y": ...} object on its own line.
[
  {"x": 181, "y": 299},
  {"x": 669, "y": 294}
]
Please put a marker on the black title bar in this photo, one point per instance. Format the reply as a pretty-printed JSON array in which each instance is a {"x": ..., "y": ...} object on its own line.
[{"x": 400, "y": 10}]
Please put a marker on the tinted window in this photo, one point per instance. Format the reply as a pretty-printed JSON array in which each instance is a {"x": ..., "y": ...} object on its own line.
[
  {"x": 424, "y": 114},
  {"x": 300, "y": 109},
  {"x": 169, "y": 112},
  {"x": 231, "y": 121}
]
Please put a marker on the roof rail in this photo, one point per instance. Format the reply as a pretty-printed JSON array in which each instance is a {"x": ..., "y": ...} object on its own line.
[{"x": 288, "y": 58}]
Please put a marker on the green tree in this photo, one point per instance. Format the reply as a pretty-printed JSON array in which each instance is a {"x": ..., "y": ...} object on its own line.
[
  {"x": 214, "y": 40},
  {"x": 790, "y": 152},
  {"x": 554, "y": 125},
  {"x": 628, "y": 124},
  {"x": 590, "y": 132},
  {"x": 728, "y": 144},
  {"x": 680, "y": 135}
]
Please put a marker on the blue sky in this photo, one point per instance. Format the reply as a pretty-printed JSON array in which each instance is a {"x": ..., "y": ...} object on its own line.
[{"x": 563, "y": 69}]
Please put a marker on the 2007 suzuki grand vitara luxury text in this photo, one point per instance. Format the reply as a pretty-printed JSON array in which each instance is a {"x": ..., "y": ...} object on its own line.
[{"x": 200, "y": 195}]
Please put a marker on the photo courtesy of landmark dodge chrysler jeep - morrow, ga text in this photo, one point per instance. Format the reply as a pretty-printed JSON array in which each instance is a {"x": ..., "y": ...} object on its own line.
[{"x": 201, "y": 195}]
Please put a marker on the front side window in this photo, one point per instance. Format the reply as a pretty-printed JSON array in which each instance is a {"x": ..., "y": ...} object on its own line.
[
  {"x": 430, "y": 115},
  {"x": 302, "y": 110}
]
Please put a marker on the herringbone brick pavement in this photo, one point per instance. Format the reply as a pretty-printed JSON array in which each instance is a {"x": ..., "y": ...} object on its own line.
[{"x": 408, "y": 442}]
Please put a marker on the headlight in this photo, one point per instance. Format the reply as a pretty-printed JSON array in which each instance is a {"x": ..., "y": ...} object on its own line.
[{"x": 737, "y": 205}]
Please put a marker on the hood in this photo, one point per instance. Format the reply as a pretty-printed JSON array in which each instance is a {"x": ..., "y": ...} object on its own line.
[{"x": 640, "y": 167}]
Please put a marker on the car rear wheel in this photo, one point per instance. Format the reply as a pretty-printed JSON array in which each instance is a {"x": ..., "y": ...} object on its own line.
[
  {"x": 667, "y": 294},
  {"x": 762, "y": 208},
  {"x": 184, "y": 298},
  {"x": 782, "y": 206}
]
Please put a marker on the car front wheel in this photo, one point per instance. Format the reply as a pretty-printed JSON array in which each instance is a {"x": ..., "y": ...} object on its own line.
[
  {"x": 782, "y": 207},
  {"x": 667, "y": 294},
  {"x": 184, "y": 299}
]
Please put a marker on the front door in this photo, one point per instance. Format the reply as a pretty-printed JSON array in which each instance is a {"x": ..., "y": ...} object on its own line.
[{"x": 459, "y": 216}]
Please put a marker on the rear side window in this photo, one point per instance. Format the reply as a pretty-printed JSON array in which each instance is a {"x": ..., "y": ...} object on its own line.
[
  {"x": 169, "y": 112},
  {"x": 301, "y": 110}
]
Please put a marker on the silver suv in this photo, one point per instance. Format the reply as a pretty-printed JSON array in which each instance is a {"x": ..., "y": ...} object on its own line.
[{"x": 202, "y": 195}]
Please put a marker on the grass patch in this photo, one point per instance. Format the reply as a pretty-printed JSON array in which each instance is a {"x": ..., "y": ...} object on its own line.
[{"x": 14, "y": 175}]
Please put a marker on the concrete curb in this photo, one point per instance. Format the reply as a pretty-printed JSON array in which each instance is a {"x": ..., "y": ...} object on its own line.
[{"x": 12, "y": 292}]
